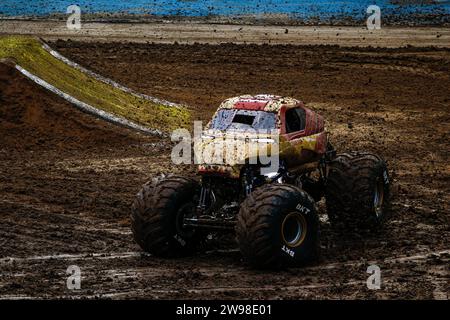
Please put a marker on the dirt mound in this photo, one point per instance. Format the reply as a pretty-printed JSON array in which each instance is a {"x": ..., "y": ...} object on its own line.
[{"x": 33, "y": 118}]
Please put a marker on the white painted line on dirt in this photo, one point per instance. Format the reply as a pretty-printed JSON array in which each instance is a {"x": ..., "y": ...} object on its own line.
[
  {"x": 144, "y": 292},
  {"x": 111, "y": 82},
  {"x": 134, "y": 254},
  {"x": 123, "y": 231},
  {"x": 428, "y": 255},
  {"x": 222, "y": 251},
  {"x": 121, "y": 255},
  {"x": 148, "y": 291},
  {"x": 88, "y": 108},
  {"x": 18, "y": 297}
]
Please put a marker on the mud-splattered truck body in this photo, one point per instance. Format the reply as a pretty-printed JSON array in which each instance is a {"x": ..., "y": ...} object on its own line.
[
  {"x": 254, "y": 120},
  {"x": 270, "y": 208}
]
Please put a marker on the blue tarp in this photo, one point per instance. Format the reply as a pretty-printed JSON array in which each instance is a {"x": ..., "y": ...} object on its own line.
[{"x": 297, "y": 9}]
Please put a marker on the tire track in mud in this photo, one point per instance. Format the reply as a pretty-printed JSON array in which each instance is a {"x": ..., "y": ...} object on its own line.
[
  {"x": 72, "y": 257},
  {"x": 444, "y": 254},
  {"x": 145, "y": 274}
]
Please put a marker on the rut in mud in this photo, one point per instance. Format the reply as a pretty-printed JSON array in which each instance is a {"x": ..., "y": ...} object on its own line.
[{"x": 67, "y": 180}]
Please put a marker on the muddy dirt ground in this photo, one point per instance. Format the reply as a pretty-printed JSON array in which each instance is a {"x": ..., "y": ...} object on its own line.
[{"x": 67, "y": 181}]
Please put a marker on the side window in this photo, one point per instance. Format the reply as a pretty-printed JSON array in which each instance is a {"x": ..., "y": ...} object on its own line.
[
  {"x": 295, "y": 120},
  {"x": 302, "y": 117}
]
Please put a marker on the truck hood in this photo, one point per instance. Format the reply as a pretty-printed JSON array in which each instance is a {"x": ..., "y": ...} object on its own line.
[{"x": 235, "y": 147}]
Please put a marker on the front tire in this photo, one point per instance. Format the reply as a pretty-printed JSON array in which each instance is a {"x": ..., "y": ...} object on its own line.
[
  {"x": 357, "y": 192},
  {"x": 278, "y": 226},
  {"x": 157, "y": 217}
]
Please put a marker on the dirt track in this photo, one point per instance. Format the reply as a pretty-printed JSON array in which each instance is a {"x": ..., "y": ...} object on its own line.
[
  {"x": 67, "y": 181},
  {"x": 190, "y": 33}
]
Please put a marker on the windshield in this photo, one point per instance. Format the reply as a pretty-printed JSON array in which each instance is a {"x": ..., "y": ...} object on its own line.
[{"x": 241, "y": 120}]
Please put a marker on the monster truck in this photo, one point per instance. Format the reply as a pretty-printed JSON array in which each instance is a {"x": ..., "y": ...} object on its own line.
[{"x": 273, "y": 213}]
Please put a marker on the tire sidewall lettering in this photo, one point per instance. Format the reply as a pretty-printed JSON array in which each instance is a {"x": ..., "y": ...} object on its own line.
[
  {"x": 285, "y": 249},
  {"x": 385, "y": 177},
  {"x": 180, "y": 240},
  {"x": 302, "y": 209}
]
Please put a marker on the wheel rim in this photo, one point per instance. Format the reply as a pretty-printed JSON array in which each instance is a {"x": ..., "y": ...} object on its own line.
[
  {"x": 293, "y": 229},
  {"x": 378, "y": 198}
]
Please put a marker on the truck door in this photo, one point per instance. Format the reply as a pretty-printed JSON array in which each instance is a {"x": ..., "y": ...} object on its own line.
[{"x": 295, "y": 126}]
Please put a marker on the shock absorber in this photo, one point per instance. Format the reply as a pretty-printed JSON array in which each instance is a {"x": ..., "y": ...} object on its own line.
[
  {"x": 247, "y": 181},
  {"x": 201, "y": 201},
  {"x": 206, "y": 194},
  {"x": 203, "y": 196}
]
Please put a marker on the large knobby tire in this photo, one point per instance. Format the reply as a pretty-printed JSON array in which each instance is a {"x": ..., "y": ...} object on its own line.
[
  {"x": 157, "y": 215},
  {"x": 357, "y": 191},
  {"x": 278, "y": 226}
]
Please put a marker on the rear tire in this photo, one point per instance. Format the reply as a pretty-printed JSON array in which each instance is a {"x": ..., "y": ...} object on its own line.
[
  {"x": 357, "y": 191},
  {"x": 157, "y": 217},
  {"x": 278, "y": 226}
]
